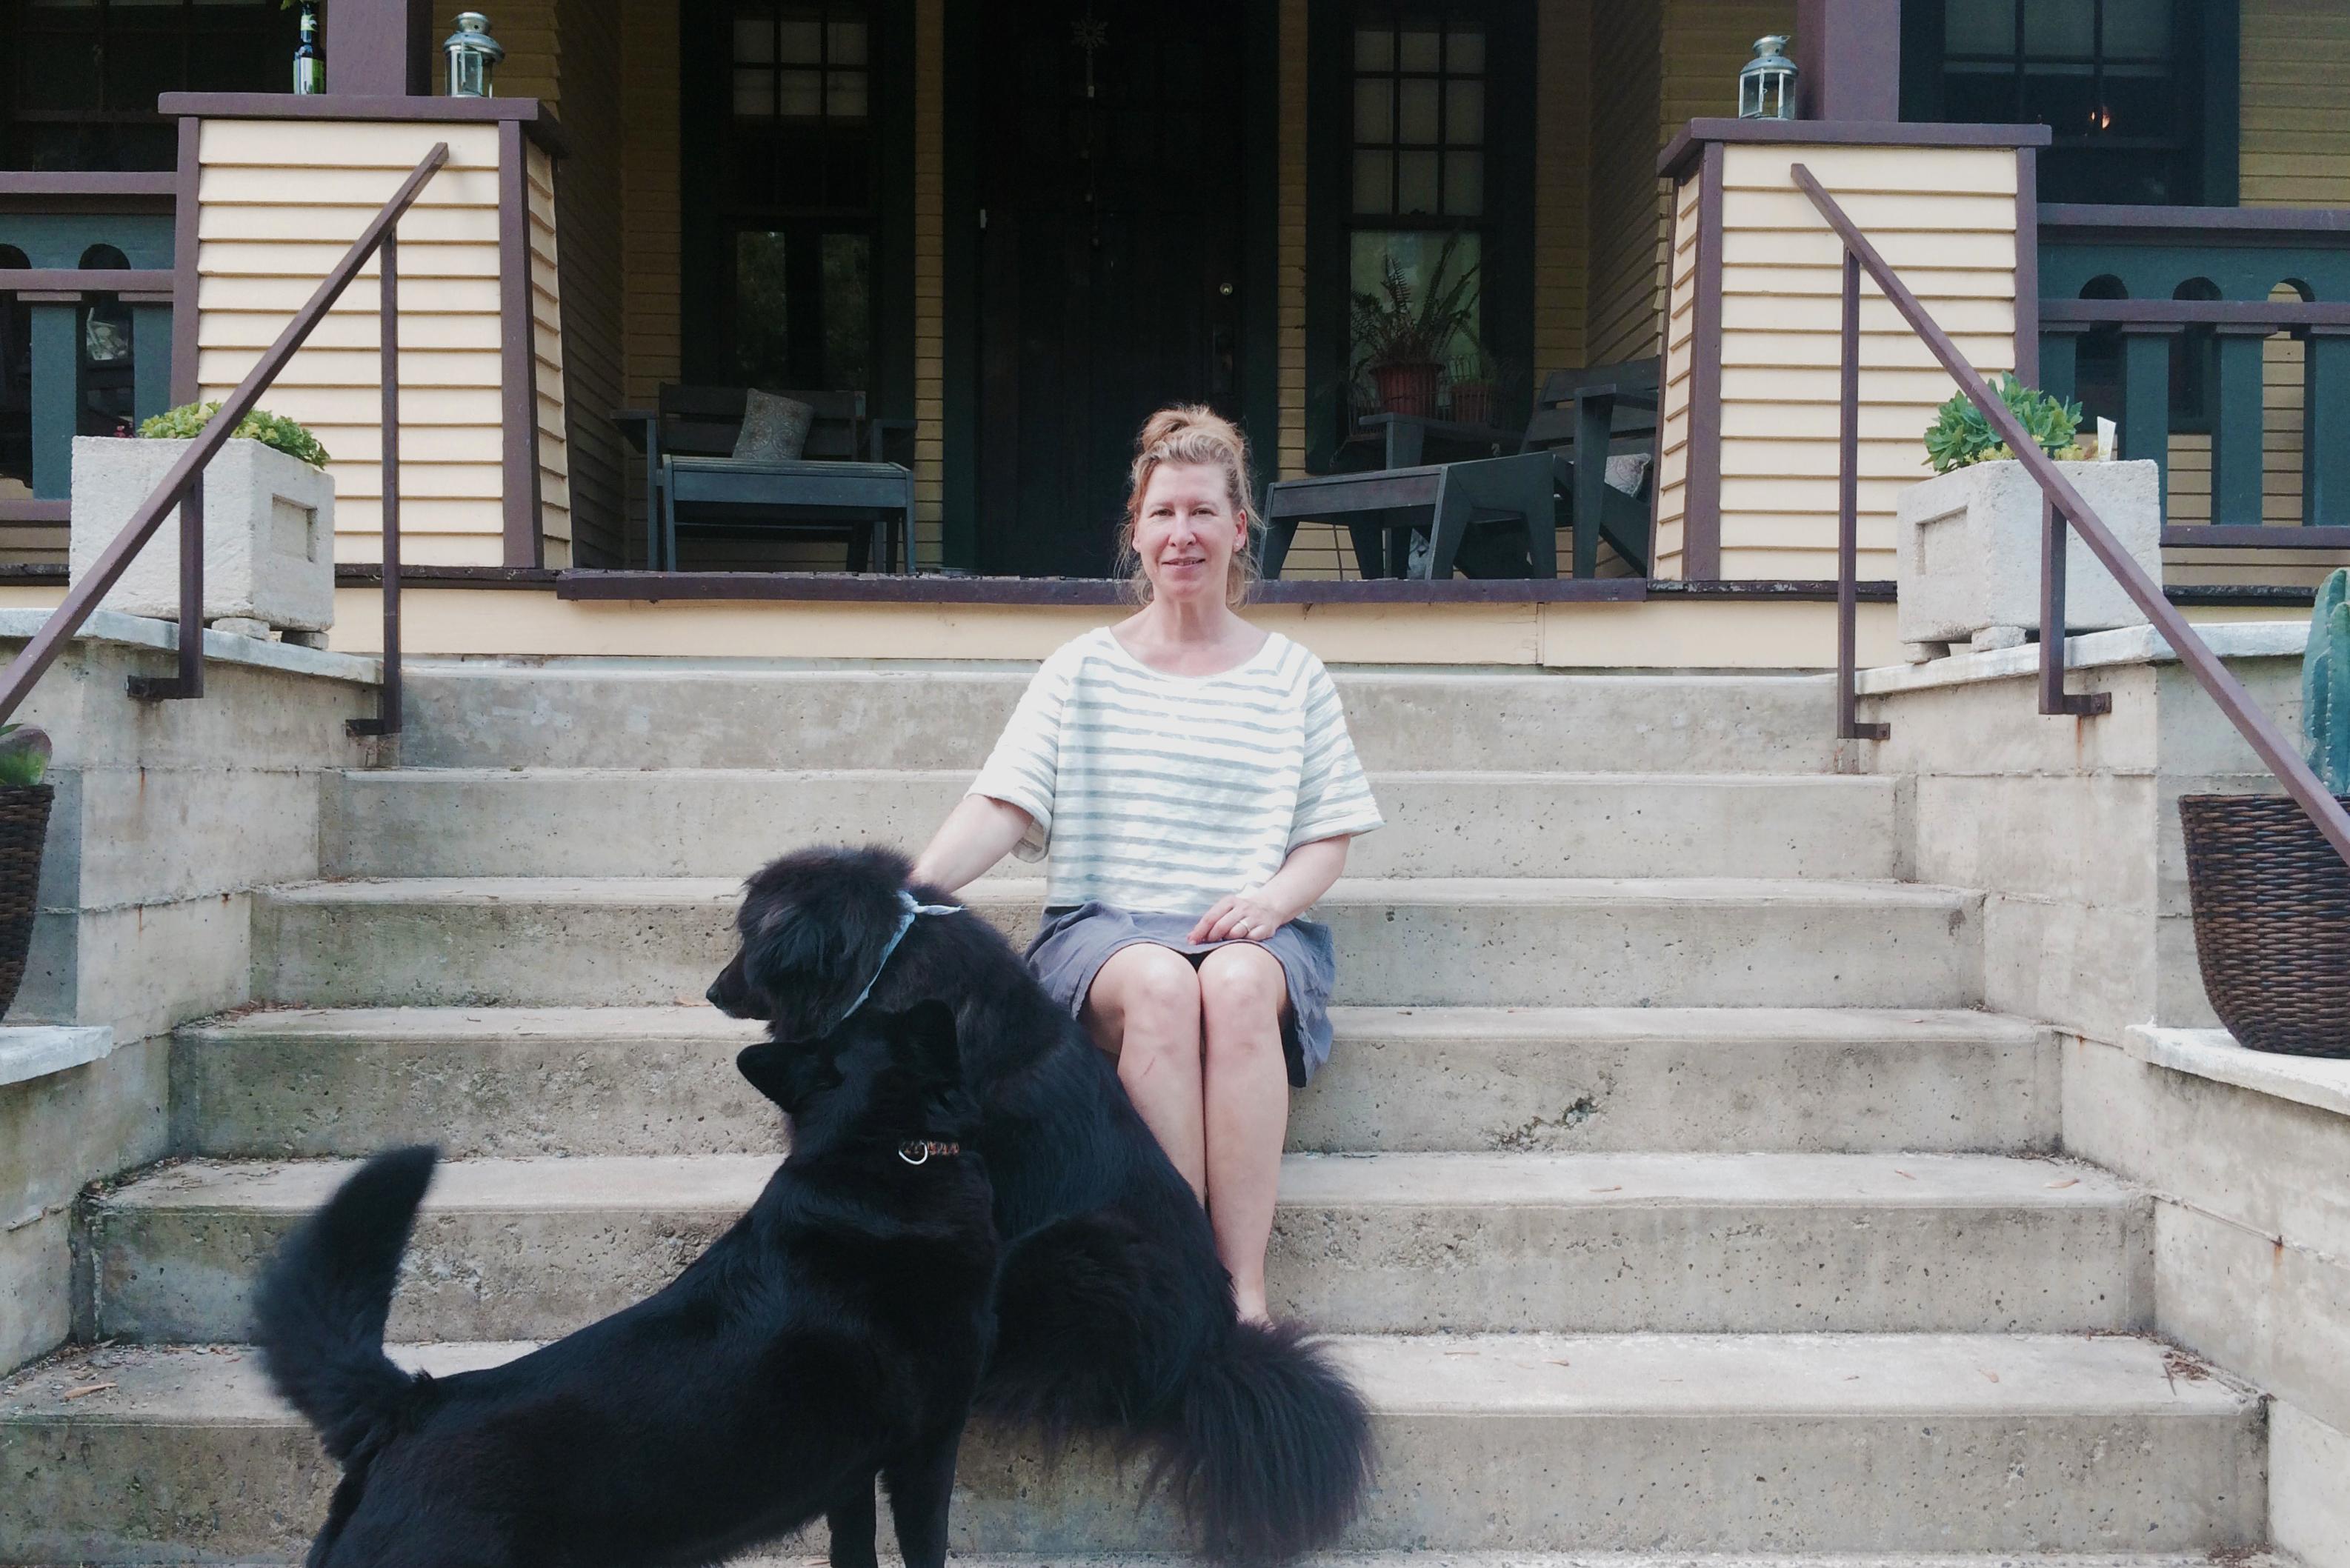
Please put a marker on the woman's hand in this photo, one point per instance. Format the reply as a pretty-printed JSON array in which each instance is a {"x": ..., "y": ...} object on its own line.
[
  {"x": 1242, "y": 917},
  {"x": 1255, "y": 915}
]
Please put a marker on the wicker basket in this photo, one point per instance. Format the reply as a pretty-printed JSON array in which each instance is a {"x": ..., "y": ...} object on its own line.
[
  {"x": 24, "y": 827},
  {"x": 2272, "y": 922}
]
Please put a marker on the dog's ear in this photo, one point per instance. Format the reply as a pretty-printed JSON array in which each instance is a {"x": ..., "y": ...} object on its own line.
[
  {"x": 786, "y": 1073},
  {"x": 809, "y": 947}
]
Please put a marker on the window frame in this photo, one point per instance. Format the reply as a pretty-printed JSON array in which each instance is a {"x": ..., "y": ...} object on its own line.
[
  {"x": 103, "y": 125},
  {"x": 2204, "y": 52},
  {"x": 1505, "y": 227},
  {"x": 713, "y": 213}
]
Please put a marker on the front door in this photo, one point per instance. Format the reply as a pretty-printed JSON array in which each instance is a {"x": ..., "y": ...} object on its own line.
[{"x": 1109, "y": 187}]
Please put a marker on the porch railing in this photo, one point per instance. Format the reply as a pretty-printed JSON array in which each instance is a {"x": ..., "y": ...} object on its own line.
[
  {"x": 2167, "y": 312},
  {"x": 2062, "y": 504},
  {"x": 183, "y": 487}
]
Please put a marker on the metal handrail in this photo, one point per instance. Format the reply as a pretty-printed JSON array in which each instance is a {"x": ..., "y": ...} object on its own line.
[
  {"x": 183, "y": 487},
  {"x": 2063, "y": 504}
]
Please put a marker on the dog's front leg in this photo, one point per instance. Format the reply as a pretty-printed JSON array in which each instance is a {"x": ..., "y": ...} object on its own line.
[
  {"x": 852, "y": 1523},
  {"x": 922, "y": 1481}
]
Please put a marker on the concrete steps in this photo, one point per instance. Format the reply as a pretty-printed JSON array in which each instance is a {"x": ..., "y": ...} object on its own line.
[
  {"x": 1409, "y": 941},
  {"x": 686, "y": 713},
  {"x": 285, "y": 1083},
  {"x": 1785, "y": 1443},
  {"x": 1397, "y": 1244},
  {"x": 677, "y": 822}
]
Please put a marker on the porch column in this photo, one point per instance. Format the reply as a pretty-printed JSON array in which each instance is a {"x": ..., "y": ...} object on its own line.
[
  {"x": 56, "y": 390},
  {"x": 380, "y": 48},
  {"x": 1848, "y": 54}
]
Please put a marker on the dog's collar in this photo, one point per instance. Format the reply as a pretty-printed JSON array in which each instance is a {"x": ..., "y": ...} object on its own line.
[
  {"x": 909, "y": 910},
  {"x": 918, "y": 1151}
]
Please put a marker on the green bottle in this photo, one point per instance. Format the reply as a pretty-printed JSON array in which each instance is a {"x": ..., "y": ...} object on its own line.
[{"x": 309, "y": 65}]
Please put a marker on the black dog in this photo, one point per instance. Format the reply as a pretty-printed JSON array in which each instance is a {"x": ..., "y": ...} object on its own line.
[
  {"x": 1115, "y": 1314},
  {"x": 837, "y": 1331}
]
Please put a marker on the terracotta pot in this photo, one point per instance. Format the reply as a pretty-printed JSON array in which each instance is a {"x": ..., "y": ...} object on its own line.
[
  {"x": 1407, "y": 389},
  {"x": 1473, "y": 401}
]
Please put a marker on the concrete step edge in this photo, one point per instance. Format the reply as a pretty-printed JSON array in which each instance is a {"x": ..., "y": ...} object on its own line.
[
  {"x": 1534, "y": 1025},
  {"x": 727, "y": 1183}
]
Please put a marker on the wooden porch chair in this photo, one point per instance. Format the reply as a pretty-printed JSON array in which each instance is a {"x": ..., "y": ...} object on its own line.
[
  {"x": 841, "y": 488},
  {"x": 1503, "y": 511}
]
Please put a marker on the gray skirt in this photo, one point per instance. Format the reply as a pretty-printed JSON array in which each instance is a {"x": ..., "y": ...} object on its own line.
[{"x": 1074, "y": 943}]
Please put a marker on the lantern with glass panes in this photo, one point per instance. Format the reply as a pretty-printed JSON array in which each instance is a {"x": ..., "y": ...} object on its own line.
[
  {"x": 472, "y": 52},
  {"x": 1766, "y": 86}
]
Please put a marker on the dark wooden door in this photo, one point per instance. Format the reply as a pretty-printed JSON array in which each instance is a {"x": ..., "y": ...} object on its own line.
[{"x": 1109, "y": 180}]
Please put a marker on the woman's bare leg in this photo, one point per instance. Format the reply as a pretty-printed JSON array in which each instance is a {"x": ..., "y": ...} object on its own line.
[
  {"x": 1246, "y": 1082},
  {"x": 1144, "y": 1009}
]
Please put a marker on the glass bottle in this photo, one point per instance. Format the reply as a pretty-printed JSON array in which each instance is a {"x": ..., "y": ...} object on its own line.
[{"x": 309, "y": 64}]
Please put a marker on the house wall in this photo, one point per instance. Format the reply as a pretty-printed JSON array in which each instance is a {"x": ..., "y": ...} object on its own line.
[
  {"x": 1626, "y": 84},
  {"x": 2293, "y": 150},
  {"x": 649, "y": 290},
  {"x": 549, "y": 406}
]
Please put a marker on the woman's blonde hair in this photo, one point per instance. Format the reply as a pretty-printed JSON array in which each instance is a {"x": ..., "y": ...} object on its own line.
[{"x": 1193, "y": 433}]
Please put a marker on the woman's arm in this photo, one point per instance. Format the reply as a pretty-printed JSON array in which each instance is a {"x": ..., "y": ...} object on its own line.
[
  {"x": 1305, "y": 877},
  {"x": 980, "y": 831}
]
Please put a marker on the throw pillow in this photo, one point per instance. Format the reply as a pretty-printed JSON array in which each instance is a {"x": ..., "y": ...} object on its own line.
[{"x": 774, "y": 428}]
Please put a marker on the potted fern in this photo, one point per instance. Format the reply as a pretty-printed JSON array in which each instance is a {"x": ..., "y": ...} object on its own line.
[
  {"x": 1402, "y": 334},
  {"x": 2271, "y": 896},
  {"x": 269, "y": 520},
  {"x": 25, "y": 800},
  {"x": 1967, "y": 541}
]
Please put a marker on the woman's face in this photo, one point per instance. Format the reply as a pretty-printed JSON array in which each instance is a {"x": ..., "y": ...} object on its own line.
[{"x": 1188, "y": 533}]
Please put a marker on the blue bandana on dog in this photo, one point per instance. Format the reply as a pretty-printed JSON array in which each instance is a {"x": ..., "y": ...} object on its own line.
[{"x": 908, "y": 911}]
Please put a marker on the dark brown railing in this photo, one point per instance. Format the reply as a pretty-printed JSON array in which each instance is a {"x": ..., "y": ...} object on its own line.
[
  {"x": 2062, "y": 504},
  {"x": 183, "y": 487}
]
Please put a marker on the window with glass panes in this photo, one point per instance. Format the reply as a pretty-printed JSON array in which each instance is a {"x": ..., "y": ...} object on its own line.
[
  {"x": 2110, "y": 78},
  {"x": 79, "y": 78},
  {"x": 1419, "y": 147},
  {"x": 800, "y": 195}
]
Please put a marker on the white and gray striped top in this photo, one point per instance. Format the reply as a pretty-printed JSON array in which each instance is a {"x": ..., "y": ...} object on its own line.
[{"x": 1163, "y": 792}]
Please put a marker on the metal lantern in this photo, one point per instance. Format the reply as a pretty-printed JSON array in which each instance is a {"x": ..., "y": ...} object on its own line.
[
  {"x": 472, "y": 52},
  {"x": 1766, "y": 86}
]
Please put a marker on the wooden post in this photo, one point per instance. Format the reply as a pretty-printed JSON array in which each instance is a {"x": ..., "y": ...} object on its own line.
[
  {"x": 380, "y": 48},
  {"x": 57, "y": 388},
  {"x": 1847, "y": 55}
]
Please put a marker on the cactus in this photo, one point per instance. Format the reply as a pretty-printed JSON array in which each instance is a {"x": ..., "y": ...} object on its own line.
[{"x": 2326, "y": 685}]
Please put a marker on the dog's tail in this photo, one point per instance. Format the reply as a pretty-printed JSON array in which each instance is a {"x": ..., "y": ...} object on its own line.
[
  {"x": 320, "y": 1314},
  {"x": 1271, "y": 1448}
]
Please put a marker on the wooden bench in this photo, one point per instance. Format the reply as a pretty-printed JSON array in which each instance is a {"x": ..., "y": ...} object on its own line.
[
  {"x": 1494, "y": 515},
  {"x": 841, "y": 488}
]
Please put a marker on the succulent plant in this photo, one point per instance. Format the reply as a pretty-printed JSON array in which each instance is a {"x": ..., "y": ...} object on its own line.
[
  {"x": 1959, "y": 434},
  {"x": 2326, "y": 685},
  {"x": 276, "y": 431},
  {"x": 24, "y": 754}
]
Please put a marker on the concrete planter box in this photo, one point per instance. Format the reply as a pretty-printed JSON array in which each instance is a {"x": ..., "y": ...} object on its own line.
[
  {"x": 1969, "y": 545},
  {"x": 270, "y": 532}
]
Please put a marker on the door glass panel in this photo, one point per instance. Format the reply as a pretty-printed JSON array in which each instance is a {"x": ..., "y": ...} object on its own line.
[
  {"x": 2060, "y": 27},
  {"x": 2137, "y": 29},
  {"x": 1464, "y": 113},
  {"x": 1374, "y": 49},
  {"x": 1415, "y": 112},
  {"x": 1979, "y": 28},
  {"x": 1418, "y": 50},
  {"x": 1375, "y": 110},
  {"x": 1374, "y": 177},
  {"x": 1416, "y": 182},
  {"x": 1464, "y": 49},
  {"x": 1465, "y": 185}
]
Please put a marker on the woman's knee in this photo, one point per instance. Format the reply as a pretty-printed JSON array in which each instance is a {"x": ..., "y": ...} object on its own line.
[
  {"x": 1242, "y": 988},
  {"x": 1150, "y": 987}
]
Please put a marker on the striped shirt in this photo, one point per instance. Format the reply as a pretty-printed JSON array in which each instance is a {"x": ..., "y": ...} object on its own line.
[{"x": 1162, "y": 794}]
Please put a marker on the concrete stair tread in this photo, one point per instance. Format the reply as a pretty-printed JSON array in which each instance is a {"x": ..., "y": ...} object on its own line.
[
  {"x": 1731, "y": 1025},
  {"x": 1857, "y": 783},
  {"x": 1424, "y": 891},
  {"x": 730, "y": 1181},
  {"x": 1557, "y": 1375}
]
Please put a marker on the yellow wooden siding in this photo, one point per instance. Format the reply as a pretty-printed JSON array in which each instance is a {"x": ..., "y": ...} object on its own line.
[
  {"x": 1679, "y": 362},
  {"x": 1289, "y": 245},
  {"x": 649, "y": 222},
  {"x": 929, "y": 275},
  {"x": 1945, "y": 219},
  {"x": 1626, "y": 37},
  {"x": 588, "y": 215},
  {"x": 276, "y": 212},
  {"x": 547, "y": 349},
  {"x": 1562, "y": 183},
  {"x": 525, "y": 29},
  {"x": 2294, "y": 147},
  {"x": 1705, "y": 44}
]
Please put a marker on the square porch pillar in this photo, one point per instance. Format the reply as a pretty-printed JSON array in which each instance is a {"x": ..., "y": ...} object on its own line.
[{"x": 1748, "y": 424}]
